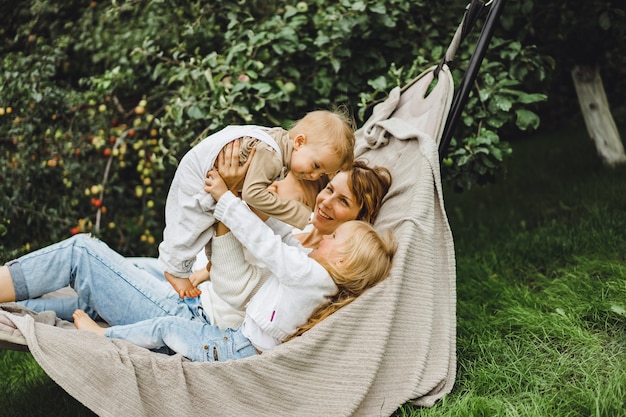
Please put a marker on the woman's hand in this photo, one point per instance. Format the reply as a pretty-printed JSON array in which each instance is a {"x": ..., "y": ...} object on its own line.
[{"x": 227, "y": 164}]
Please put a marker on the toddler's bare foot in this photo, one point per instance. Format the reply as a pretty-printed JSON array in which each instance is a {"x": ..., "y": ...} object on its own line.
[
  {"x": 183, "y": 286},
  {"x": 83, "y": 322}
]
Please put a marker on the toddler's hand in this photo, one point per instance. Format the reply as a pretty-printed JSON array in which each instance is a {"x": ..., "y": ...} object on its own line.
[{"x": 215, "y": 185}]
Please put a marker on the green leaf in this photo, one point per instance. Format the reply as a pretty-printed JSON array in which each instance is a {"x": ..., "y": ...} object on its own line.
[
  {"x": 532, "y": 98},
  {"x": 263, "y": 88},
  {"x": 497, "y": 154},
  {"x": 526, "y": 119},
  {"x": 378, "y": 83},
  {"x": 496, "y": 122},
  {"x": 358, "y": 6},
  {"x": 378, "y": 8},
  {"x": 195, "y": 112},
  {"x": 502, "y": 103}
]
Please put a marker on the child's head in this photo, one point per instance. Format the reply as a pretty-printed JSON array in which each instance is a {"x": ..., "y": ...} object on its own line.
[
  {"x": 357, "y": 258},
  {"x": 323, "y": 143},
  {"x": 291, "y": 188}
]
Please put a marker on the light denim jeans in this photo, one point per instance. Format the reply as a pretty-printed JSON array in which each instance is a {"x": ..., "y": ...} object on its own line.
[
  {"x": 197, "y": 340},
  {"x": 115, "y": 289},
  {"x": 108, "y": 286},
  {"x": 66, "y": 305}
]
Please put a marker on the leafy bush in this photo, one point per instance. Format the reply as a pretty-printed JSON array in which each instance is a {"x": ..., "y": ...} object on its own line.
[{"x": 98, "y": 101}]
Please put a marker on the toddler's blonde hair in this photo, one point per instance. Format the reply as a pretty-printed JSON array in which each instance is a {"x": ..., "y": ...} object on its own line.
[{"x": 329, "y": 128}]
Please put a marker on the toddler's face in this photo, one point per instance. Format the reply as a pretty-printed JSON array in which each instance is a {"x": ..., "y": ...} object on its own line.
[{"x": 309, "y": 162}]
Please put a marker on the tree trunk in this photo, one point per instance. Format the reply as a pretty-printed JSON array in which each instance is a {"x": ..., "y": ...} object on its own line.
[{"x": 597, "y": 114}]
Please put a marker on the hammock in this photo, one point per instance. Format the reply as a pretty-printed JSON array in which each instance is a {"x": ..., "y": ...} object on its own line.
[{"x": 394, "y": 344}]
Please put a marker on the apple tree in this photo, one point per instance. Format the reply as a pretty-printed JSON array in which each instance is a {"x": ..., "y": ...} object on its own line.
[{"x": 99, "y": 100}]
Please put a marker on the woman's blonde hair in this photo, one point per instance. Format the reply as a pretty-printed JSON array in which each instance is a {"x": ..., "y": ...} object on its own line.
[
  {"x": 331, "y": 128},
  {"x": 367, "y": 257}
]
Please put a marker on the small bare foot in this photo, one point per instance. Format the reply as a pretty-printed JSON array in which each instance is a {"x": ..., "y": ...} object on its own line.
[
  {"x": 83, "y": 322},
  {"x": 183, "y": 286}
]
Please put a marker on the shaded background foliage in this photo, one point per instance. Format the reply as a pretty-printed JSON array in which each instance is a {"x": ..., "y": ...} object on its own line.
[
  {"x": 99, "y": 100},
  {"x": 573, "y": 33}
]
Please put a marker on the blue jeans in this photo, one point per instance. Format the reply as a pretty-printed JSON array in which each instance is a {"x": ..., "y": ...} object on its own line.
[
  {"x": 196, "y": 340},
  {"x": 108, "y": 286},
  {"x": 65, "y": 306}
]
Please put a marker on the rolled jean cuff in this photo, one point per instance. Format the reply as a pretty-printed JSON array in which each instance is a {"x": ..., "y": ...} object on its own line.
[{"x": 19, "y": 282}]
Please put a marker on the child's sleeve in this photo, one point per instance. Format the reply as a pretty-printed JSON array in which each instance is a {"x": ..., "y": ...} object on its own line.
[
  {"x": 284, "y": 231},
  {"x": 263, "y": 170}
]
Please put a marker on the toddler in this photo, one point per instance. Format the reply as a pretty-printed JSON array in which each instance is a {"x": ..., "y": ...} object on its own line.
[{"x": 322, "y": 142}]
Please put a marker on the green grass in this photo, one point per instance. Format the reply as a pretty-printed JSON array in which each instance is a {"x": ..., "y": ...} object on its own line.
[
  {"x": 25, "y": 390},
  {"x": 541, "y": 279},
  {"x": 541, "y": 276}
]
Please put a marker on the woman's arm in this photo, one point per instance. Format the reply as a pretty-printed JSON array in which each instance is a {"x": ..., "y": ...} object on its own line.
[{"x": 285, "y": 261}]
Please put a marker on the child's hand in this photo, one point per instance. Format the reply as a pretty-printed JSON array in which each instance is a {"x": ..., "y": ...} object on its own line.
[{"x": 215, "y": 185}]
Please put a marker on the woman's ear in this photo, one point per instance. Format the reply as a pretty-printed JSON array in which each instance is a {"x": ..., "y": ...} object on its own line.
[{"x": 299, "y": 141}]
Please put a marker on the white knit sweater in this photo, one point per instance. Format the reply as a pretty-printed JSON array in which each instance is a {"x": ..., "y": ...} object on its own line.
[{"x": 296, "y": 286}]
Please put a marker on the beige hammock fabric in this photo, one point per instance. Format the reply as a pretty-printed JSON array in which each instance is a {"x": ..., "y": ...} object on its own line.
[{"x": 394, "y": 344}]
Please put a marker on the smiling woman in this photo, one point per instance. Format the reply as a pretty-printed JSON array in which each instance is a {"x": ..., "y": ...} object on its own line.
[{"x": 354, "y": 194}]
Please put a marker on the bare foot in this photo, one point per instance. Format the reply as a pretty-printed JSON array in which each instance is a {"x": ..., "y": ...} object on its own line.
[
  {"x": 83, "y": 322},
  {"x": 183, "y": 286}
]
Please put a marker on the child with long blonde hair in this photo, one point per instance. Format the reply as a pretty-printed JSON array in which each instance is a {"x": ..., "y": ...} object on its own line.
[{"x": 354, "y": 276}]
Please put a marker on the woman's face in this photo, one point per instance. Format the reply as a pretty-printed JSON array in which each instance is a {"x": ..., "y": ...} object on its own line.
[{"x": 334, "y": 205}]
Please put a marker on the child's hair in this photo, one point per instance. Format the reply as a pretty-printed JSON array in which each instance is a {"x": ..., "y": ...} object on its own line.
[
  {"x": 368, "y": 185},
  {"x": 333, "y": 128},
  {"x": 367, "y": 257}
]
